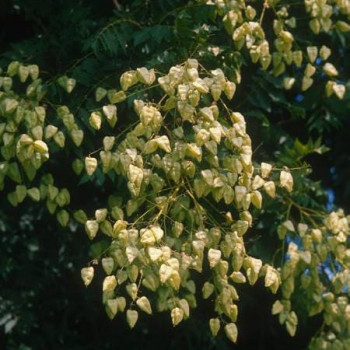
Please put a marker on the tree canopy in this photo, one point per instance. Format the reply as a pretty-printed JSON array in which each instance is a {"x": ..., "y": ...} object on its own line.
[{"x": 187, "y": 160}]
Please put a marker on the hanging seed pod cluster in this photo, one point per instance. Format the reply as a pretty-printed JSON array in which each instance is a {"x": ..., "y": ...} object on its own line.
[
  {"x": 192, "y": 190},
  {"x": 319, "y": 243},
  {"x": 27, "y": 138},
  {"x": 185, "y": 152},
  {"x": 285, "y": 55}
]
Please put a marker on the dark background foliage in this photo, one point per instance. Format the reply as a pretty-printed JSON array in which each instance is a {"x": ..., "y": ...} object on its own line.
[{"x": 43, "y": 304}]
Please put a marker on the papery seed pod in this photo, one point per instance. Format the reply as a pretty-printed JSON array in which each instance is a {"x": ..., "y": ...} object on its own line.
[
  {"x": 146, "y": 76},
  {"x": 164, "y": 82},
  {"x": 256, "y": 199},
  {"x": 59, "y": 138},
  {"x": 250, "y": 12},
  {"x": 132, "y": 317},
  {"x": 50, "y": 131},
  {"x": 163, "y": 143},
  {"x": 118, "y": 226},
  {"x": 25, "y": 139},
  {"x": 131, "y": 253},
  {"x": 170, "y": 103},
  {"x": 116, "y": 96},
  {"x": 186, "y": 111},
  {"x": 286, "y": 180},
  {"x": 214, "y": 324},
  {"x": 238, "y": 277},
  {"x": 40, "y": 146},
  {"x": 312, "y": 53},
  {"x": 306, "y": 83},
  {"x": 329, "y": 88},
  {"x": 100, "y": 93},
  {"x": 110, "y": 111},
  {"x": 184, "y": 305},
  {"x": 207, "y": 290},
  {"x": 68, "y": 121},
  {"x": 201, "y": 86},
  {"x": 216, "y": 91},
  {"x": 286, "y": 36},
  {"x": 325, "y": 52},
  {"x": 112, "y": 308},
  {"x": 202, "y": 136},
  {"x": 339, "y": 90},
  {"x": 70, "y": 84},
  {"x": 230, "y": 89},
  {"x": 91, "y": 228},
  {"x": 315, "y": 25},
  {"x": 109, "y": 283},
  {"x": 90, "y": 165},
  {"x": 108, "y": 265},
  {"x": 177, "y": 228},
  {"x": 258, "y": 182},
  {"x": 122, "y": 276},
  {"x": 254, "y": 54},
  {"x": 330, "y": 70},
  {"x": 132, "y": 290},
  {"x": 106, "y": 160},
  {"x": 7, "y": 83},
  {"x": 23, "y": 73},
  {"x": 177, "y": 316},
  {"x": 95, "y": 120},
  {"x": 288, "y": 83},
  {"x": 101, "y": 214},
  {"x": 77, "y": 137},
  {"x": 182, "y": 91},
  {"x": 87, "y": 274},
  {"x": 66, "y": 83},
  {"x": 270, "y": 188},
  {"x": 128, "y": 79},
  {"x": 194, "y": 151},
  {"x": 214, "y": 256},
  {"x": 265, "y": 61},
  {"x": 165, "y": 272},
  {"x": 144, "y": 304},
  {"x": 10, "y": 105},
  {"x": 309, "y": 70},
  {"x": 154, "y": 253},
  {"x": 121, "y": 302},
  {"x": 34, "y": 194},
  {"x": 342, "y": 26},
  {"x": 12, "y": 68},
  {"x": 297, "y": 58}
]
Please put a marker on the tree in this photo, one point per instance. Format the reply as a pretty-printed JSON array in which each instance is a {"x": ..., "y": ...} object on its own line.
[{"x": 183, "y": 172}]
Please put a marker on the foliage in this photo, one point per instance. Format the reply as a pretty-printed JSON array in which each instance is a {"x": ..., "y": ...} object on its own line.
[{"x": 177, "y": 207}]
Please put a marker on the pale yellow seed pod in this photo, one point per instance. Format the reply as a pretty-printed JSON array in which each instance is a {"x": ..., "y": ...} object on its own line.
[
  {"x": 87, "y": 274},
  {"x": 95, "y": 120},
  {"x": 132, "y": 317},
  {"x": 214, "y": 324},
  {"x": 312, "y": 53},
  {"x": 177, "y": 316},
  {"x": 231, "y": 332},
  {"x": 286, "y": 180},
  {"x": 91, "y": 228},
  {"x": 108, "y": 265},
  {"x": 144, "y": 304},
  {"x": 109, "y": 283},
  {"x": 90, "y": 165}
]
